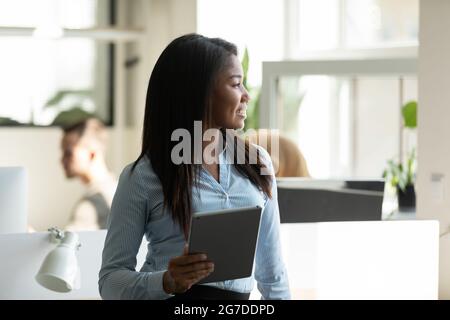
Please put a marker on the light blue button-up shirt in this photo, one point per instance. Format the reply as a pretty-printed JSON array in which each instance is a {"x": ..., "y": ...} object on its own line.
[{"x": 137, "y": 210}]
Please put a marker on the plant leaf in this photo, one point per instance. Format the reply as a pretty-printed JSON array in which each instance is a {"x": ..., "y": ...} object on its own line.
[
  {"x": 60, "y": 95},
  {"x": 409, "y": 112},
  {"x": 245, "y": 64},
  {"x": 72, "y": 116},
  {"x": 252, "y": 121}
]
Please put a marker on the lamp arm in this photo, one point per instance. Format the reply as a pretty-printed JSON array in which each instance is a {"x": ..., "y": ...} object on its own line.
[
  {"x": 66, "y": 238},
  {"x": 56, "y": 234}
]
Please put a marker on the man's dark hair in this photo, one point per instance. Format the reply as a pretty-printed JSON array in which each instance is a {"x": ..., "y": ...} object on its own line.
[{"x": 89, "y": 127}]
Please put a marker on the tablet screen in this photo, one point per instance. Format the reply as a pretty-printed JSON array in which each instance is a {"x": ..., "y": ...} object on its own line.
[{"x": 228, "y": 237}]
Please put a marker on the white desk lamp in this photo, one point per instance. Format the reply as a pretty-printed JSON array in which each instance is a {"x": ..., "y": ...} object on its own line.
[{"x": 60, "y": 271}]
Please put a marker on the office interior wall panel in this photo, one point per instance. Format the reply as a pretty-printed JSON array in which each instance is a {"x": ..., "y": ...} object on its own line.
[{"x": 433, "y": 188}]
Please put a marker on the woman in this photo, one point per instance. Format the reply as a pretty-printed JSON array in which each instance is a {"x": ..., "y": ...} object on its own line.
[{"x": 195, "y": 79}]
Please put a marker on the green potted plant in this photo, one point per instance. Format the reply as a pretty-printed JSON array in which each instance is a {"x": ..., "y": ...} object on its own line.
[
  {"x": 252, "y": 121},
  {"x": 401, "y": 176}
]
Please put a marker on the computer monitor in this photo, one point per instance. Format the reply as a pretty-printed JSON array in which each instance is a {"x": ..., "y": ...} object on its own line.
[
  {"x": 13, "y": 199},
  {"x": 326, "y": 200}
]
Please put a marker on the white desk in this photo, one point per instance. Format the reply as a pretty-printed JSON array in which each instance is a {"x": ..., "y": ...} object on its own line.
[
  {"x": 21, "y": 256},
  {"x": 362, "y": 260},
  {"x": 331, "y": 260},
  {"x": 402, "y": 215}
]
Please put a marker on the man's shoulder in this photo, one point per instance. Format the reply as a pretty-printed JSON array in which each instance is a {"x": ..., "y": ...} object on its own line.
[
  {"x": 84, "y": 202},
  {"x": 84, "y": 207},
  {"x": 84, "y": 217}
]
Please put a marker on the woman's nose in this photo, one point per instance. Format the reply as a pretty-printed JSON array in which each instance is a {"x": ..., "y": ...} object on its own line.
[{"x": 245, "y": 96}]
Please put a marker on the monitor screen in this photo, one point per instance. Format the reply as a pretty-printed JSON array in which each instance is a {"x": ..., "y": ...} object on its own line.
[
  {"x": 13, "y": 200},
  {"x": 325, "y": 200}
]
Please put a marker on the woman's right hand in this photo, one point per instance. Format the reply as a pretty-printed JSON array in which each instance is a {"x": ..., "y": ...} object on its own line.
[{"x": 186, "y": 270}]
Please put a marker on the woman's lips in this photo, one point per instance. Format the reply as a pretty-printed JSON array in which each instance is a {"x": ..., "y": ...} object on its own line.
[{"x": 242, "y": 113}]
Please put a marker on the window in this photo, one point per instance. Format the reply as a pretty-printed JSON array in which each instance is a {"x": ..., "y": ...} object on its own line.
[
  {"x": 341, "y": 123},
  {"x": 344, "y": 114},
  {"x": 346, "y": 120},
  {"x": 351, "y": 24},
  {"x": 346, "y": 124},
  {"x": 253, "y": 24},
  {"x": 380, "y": 22},
  {"x": 51, "y": 77}
]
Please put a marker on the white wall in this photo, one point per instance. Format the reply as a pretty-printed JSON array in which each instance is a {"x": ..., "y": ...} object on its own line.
[
  {"x": 51, "y": 196},
  {"x": 433, "y": 125},
  {"x": 163, "y": 20}
]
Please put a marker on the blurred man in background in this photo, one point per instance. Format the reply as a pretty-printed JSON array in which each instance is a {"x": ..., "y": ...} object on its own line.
[{"x": 83, "y": 157}]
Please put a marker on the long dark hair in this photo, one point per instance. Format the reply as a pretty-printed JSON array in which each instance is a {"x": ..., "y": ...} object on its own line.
[{"x": 178, "y": 94}]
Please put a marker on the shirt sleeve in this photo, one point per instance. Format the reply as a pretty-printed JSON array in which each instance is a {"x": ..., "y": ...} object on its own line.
[
  {"x": 270, "y": 271},
  {"x": 118, "y": 278}
]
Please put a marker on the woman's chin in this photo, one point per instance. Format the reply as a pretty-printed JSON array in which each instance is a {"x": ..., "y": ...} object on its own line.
[
  {"x": 236, "y": 124},
  {"x": 239, "y": 125}
]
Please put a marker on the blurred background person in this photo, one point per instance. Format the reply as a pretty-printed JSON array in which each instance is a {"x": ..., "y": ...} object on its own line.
[
  {"x": 83, "y": 157},
  {"x": 290, "y": 161}
]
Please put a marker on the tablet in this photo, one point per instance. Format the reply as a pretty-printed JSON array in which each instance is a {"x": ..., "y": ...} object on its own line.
[{"x": 228, "y": 237}]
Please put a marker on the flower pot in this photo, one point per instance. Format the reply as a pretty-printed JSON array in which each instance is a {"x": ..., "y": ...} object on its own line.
[{"x": 406, "y": 198}]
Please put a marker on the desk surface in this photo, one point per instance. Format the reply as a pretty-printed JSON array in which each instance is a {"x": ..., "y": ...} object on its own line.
[
  {"x": 340, "y": 260},
  {"x": 401, "y": 215},
  {"x": 21, "y": 255},
  {"x": 362, "y": 260}
]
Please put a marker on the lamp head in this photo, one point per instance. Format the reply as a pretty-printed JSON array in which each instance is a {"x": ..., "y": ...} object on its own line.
[{"x": 60, "y": 270}]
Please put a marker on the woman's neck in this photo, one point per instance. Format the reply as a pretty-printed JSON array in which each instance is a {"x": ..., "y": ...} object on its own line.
[{"x": 212, "y": 146}]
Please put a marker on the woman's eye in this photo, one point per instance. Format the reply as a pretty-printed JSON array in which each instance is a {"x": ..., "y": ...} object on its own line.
[{"x": 237, "y": 85}]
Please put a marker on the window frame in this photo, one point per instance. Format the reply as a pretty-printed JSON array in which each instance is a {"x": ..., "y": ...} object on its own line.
[
  {"x": 400, "y": 66},
  {"x": 395, "y": 59},
  {"x": 272, "y": 70},
  {"x": 113, "y": 33}
]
